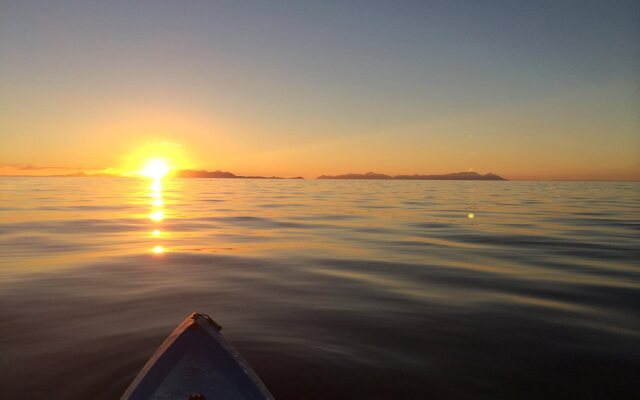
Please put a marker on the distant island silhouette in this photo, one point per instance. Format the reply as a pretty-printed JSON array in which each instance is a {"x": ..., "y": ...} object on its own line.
[
  {"x": 459, "y": 176},
  {"x": 190, "y": 173},
  {"x": 456, "y": 176}
]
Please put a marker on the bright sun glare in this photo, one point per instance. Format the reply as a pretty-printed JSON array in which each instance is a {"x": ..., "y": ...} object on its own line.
[{"x": 155, "y": 169}]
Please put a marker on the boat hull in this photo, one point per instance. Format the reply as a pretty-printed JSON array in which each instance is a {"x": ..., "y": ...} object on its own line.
[{"x": 196, "y": 362}]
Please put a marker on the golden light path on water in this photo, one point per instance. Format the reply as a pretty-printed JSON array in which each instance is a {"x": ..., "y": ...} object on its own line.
[{"x": 156, "y": 170}]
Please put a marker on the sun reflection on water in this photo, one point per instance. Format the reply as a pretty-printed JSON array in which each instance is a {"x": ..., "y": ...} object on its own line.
[
  {"x": 156, "y": 186},
  {"x": 156, "y": 170},
  {"x": 157, "y": 215}
]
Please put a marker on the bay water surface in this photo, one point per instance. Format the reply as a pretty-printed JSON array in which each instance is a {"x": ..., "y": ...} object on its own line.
[{"x": 331, "y": 289}]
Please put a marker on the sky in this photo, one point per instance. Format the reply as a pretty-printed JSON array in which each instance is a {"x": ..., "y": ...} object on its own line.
[{"x": 523, "y": 89}]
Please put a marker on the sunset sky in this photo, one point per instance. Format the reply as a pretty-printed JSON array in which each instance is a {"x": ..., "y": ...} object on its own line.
[{"x": 524, "y": 89}]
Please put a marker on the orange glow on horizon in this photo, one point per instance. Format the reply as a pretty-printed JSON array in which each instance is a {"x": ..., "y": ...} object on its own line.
[{"x": 155, "y": 160}]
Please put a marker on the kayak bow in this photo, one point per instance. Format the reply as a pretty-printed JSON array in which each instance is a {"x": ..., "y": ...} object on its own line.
[{"x": 196, "y": 363}]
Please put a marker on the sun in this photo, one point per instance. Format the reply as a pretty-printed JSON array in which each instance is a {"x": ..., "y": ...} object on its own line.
[
  {"x": 155, "y": 160},
  {"x": 155, "y": 169}
]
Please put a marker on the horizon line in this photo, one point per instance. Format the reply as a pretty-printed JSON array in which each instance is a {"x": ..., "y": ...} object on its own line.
[{"x": 318, "y": 178}]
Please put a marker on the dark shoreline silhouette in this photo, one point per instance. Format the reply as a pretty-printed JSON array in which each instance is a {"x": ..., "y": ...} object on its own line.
[
  {"x": 456, "y": 176},
  {"x": 189, "y": 173},
  {"x": 369, "y": 175}
]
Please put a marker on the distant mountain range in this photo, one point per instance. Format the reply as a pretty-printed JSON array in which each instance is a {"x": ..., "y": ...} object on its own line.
[
  {"x": 456, "y": 176},
  {"x": 189, "y": 173},
  {"x": 459, "y": 176}
]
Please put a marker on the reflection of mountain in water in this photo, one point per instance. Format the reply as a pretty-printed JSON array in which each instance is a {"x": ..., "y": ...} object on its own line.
[{"x": 457, "y": 176}]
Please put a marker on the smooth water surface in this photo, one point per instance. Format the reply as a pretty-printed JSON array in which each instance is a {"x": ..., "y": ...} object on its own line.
[{"x": 330, "y": 289}]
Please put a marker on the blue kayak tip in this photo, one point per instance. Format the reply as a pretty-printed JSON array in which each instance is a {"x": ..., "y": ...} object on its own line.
[{"x": 196, "y": 363}]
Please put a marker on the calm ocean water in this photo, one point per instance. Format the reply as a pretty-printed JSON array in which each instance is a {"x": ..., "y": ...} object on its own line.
[{"x": 330, "y": 289}]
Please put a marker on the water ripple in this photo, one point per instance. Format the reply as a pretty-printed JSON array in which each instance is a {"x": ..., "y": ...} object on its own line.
[{"x": 343, "y": 290}]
